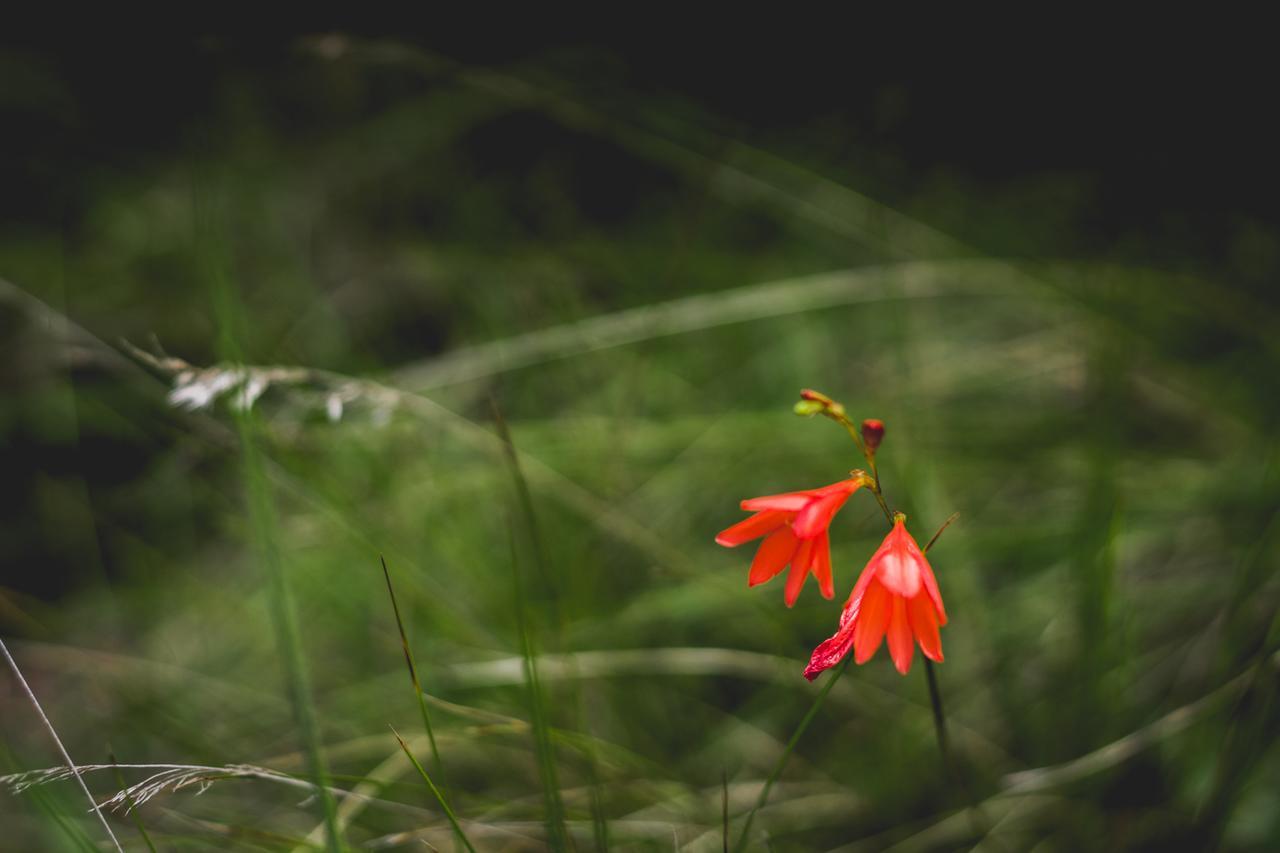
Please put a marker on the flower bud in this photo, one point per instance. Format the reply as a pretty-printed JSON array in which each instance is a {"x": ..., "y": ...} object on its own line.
[
  {"x": 808, "y": 408},
  {"x": 825, "y": 405},
  {"x": 815, "y": 396},
  {"x": 872, "y": 433}
]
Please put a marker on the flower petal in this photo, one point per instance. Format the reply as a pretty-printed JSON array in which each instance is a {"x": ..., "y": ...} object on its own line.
[
  {"x": 822, "y": 565},
  {"x": 931, "y": 587},
  {"x": 774, "y": 554},
  {"x": 896, "y": 567},
  {"x": 752, "y": 528},
  {"x": 872, "y": 618},
  {"x": 833, "y": 649},
  {"x": 815, "y": 517},
  {"x": 800, "y": 564},
  {"x": 912, "y": 549},
  {"x": 864, "y": 579},
  {"x": 788, "y": 502},
  {"x": 901, "y": 648},
  {"x": 923, "y": 619}
]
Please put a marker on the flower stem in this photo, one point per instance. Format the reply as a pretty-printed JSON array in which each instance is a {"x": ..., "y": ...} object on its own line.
[
  {"x": 939, "y": 715},
  {"x": 935, "y": 695},
  {"x": 841, "y": 418},
  {"x": 786, "y": 753},
  {"x": 944, "y": 526}
]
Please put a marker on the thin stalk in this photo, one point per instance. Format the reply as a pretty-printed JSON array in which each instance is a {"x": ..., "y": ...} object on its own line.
[
  {"x": 935, "y": 694},
  {"x": 786, "y": 754},
  {"x": 724, "y": 808},
  {"x": 444, "y": 805},
  {"x": 935, "y": 536},
  {"x": 210, "y": 217},
  {"x": 939, "y": 716},
  {"x": 53, "y": 733},
  {"x": 1250, "y": 714},
  {"x": 545, "y": 749},
  {"x": 841, "y": 418},
  {"x": 131, "y": 807},
  {"x": 413, "y": 676},
  {"x": 288, "y": 635},
  {"x": 537, "y": 713}
]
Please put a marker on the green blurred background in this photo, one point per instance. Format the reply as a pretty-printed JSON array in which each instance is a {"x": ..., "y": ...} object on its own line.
[{"x": 1057, "y": 289}]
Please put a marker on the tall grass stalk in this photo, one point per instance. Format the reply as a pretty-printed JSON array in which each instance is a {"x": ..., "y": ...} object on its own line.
[
  {"x": 53, "y": 734},
  {"x": 130, "y": 806},
  {"x": 435, "y": 792},
  {"x": 413, "y": 677},
  {"x": 209, "y": 226},
  {"x": 284, "y": 616},
  {"x": 556, "y": 828},
  {"x": 543, "y": 747}
]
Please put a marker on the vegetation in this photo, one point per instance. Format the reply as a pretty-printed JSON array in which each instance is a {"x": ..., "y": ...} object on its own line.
[{"x": 530, "y": 337}]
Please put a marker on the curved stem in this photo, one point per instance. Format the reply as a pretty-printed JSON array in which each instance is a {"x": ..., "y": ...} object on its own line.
[
  {"x": 841, "y": 418},
  {"x": 786, "y": 753}
]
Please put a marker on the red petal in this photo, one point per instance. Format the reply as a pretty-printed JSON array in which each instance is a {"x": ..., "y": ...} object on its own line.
[
  {"x": 788, "y": 502},
  {"x": 897, "y": 568},
  {"x": 860, "y": 588},
  {"x": 800, "y": 565},
  {"x": 921, "y": 561},
  {"x": 901, "y": 648},
  {"x": 822, "y": 565},
  {"x": 832, "y": 650},
  {"x": 931, "y": 587},
  {"x": 752, "y": 528},
  {"x": 873, "y": 617},
  {"x": 924, "y": 624},
  {"x": 814, "y": 518},
  {"x": 774, "y": 554}
]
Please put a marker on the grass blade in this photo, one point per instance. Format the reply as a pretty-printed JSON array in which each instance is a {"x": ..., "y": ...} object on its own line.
[
  {"x": 413, "y": 675},
  {"x": 538, "y": 716},
  {"x": 556, "y": 829},
  {"x": 263, "y": 524},
  {"x": 435, "y": 792},
  {"x": 53, "y": 733},
  {"x": 130, "y": 807}
]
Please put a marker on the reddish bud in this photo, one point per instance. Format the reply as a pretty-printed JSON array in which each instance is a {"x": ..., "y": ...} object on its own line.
[
  {"x": 823, "y": 403},
  {"x": 872, "y": 433}
]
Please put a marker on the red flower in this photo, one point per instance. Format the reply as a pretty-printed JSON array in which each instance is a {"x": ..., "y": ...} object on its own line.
[
  {"x": 896, "y": 595},
  {"x": 795, "y": 529}
]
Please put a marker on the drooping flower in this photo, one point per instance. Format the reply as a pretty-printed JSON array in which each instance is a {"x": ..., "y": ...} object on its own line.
[
  {"x": 794, "y": 525},
  {"x": 896, "y": 596}
]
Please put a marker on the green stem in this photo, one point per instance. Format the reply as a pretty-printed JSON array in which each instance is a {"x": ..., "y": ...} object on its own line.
[
  {"x": 413, "y": 676},
  {"x": 448, "y": 812},
  {"x": 843, "y": 419},
  {"x": 939, "y": 716},
  {"x": 786, "y": 753},
  {"x": 131, "y": 808}
]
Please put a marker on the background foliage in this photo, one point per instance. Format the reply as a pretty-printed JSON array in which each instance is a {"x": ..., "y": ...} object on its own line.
[{"x": 1062, "y": 307}]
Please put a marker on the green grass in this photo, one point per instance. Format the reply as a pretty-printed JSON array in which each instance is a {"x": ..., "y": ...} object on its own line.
[{"x": 594, "y": 671}]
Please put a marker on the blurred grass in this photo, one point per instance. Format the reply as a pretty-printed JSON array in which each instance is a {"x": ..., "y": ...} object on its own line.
[{"x": 643, "y": 296}]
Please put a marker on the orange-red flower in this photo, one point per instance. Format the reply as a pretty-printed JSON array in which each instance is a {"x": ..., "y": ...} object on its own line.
[
  {"x": 795, "y": 529},
  {"x": 896, "y": 596}
]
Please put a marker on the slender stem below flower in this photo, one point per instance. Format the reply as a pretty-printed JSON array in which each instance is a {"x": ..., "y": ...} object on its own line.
[
  {"x": 939, "y": 716},
  {"x": 944, "y": 526},
  {"x": 786, "y": 753}
]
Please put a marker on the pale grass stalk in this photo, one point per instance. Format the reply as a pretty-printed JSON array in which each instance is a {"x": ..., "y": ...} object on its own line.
[{"x": 53, "y": 733}]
